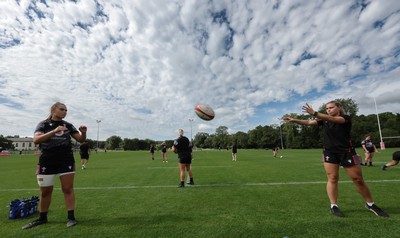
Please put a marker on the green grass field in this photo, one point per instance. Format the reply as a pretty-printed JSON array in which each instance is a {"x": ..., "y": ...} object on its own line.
[{"x": 126, "y": 194}]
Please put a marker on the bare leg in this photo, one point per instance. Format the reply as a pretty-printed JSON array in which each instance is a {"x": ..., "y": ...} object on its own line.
[
  {"x": 67, "y": 186},
  {"x": 332, "y": 172},
  {"x": 182, "y": 171},
  {"x": 355, "y": 173},
  {"x": 45, "y": 198}
]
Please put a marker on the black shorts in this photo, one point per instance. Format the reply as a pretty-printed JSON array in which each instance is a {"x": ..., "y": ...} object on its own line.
[
  {"x": 185, "y": 160},
  {"x": 344, "y": 159},
  {"x": 371, "y": 150},
  {"x": 59, "y": 168},
  {"x": 84, "y": 155},
  {"x": 396, "y": 155}
]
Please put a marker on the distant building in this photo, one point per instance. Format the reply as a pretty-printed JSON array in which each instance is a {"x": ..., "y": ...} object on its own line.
[
  {"x": 26, "y": 143},
  {"x": 23, "y": 143}
]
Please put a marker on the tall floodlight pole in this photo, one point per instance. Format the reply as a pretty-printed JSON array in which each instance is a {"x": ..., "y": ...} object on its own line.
[
  {"x": 382, "y": 144},
  {"x": 280, "y": 132},
  {"x": 98, "y": 129},
  {"x": 191, "y": 130}
]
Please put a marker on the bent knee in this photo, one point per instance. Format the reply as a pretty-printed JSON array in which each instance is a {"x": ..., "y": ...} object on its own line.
[
  {"x": 333, "y": 179},
  {"x": 359, "y": 181},
  {"x": 68, "y": 190}
]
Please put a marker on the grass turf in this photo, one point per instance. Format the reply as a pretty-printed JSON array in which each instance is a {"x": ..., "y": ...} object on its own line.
[{"x": 126, "y": 194}]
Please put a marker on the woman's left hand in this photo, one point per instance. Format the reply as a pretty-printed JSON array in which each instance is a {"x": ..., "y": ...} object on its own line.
[
  {"x": 307, "y": 108},
  {"x": 83, "y": 129}
]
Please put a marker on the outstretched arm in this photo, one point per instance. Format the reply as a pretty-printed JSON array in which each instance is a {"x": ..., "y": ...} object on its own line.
[
  {"x": 301, "y": 122},
  {"x": 334, "y": 119}
]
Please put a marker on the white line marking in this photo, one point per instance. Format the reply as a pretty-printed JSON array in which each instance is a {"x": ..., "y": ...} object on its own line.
[
  {"x": 162, "y": 167},
  {"x": 202, "y": 185}
]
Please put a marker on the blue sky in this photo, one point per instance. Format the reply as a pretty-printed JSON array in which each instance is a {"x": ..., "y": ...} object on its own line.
[{"x": 141, "y": 66}]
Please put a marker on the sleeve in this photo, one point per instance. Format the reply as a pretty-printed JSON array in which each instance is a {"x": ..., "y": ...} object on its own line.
[
  {"x": 72, "y": 128},
  {"x": 40, "y": 127}
]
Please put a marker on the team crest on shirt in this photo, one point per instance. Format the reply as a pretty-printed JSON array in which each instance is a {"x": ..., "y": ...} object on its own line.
[{"x": 60, "y": 133}]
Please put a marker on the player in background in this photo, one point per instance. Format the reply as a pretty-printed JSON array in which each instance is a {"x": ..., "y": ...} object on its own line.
[
  {"x": 234, "y": 151},
  {"x": 369, "y": 149},
  {"x": 338, "y": 151},
  {"x": 182, "y": 148},
  {"x": 395, "y": 160},
  {"x": 164, "y": 152},
  {"x": 191, "y": 154},
  {"x": 152, "y": 151},
  {"x": 84, "y": 151},
  {"x": 275, "y": 151},
  {"x": 53, "y": 136}
]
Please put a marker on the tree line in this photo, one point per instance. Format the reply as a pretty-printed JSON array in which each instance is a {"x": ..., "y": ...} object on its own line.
[{"x": 290, "y": 135}]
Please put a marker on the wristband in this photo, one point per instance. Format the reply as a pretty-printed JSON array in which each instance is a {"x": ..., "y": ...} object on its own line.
[{"x": 315, "y": 114}]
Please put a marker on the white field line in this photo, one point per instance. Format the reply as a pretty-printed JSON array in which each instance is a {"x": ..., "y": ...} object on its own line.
[
  {"x": 176, "y": 167},
  {"x": 202, "y": 185}
]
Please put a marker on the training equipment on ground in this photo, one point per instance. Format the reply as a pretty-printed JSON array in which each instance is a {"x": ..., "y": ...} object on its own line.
[
  {"x": 23, "y": 208},
  {"x": 204, "y": 111}
]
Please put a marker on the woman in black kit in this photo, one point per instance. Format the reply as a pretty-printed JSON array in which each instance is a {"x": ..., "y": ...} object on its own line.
[
  {"x": 182, "y": 146},
  {"x": 56, "y": 160},
  {"x": 338, "y": 151}
]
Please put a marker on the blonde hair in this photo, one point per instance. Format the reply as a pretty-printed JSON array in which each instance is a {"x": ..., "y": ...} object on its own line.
[
  {"x": 53, "y": 107},
  {"x": 180, "y": 132},
  {"x": 341, "y": 111}
]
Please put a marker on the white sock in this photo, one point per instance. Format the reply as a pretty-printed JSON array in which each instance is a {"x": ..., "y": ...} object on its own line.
[
  {"x": 370, "y": 203},
  {"x": 334, "y": 205}
]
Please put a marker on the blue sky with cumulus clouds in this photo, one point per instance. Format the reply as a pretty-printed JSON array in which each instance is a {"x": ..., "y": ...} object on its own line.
[{"x": 141, "y": 66}]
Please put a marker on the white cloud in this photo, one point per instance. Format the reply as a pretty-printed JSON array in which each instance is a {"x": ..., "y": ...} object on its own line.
[{"x": 142, "y": 66}]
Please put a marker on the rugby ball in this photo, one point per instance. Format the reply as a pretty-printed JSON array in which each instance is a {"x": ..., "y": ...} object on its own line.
[{"x": 204, "y": 111}]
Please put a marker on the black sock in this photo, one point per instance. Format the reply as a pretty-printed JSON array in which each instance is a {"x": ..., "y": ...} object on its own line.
[
  {"x": 191, "y": 179},
  {"x": 43, "y": 216},
  {"x": 71, "y": 215}
]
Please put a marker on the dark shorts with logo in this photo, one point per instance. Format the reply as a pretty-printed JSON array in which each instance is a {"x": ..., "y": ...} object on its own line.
[
  {"x": 345, "y": 159},
  {"x": 396, "y": 155},
  {"x": 62, "y": 168},
  {"x": 55, "y": 164}
]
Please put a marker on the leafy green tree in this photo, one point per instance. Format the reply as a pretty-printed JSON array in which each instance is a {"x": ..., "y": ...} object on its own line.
[
  {"x": 221, "y": 130},
  {"x": 5, "y": 144},
  {"x": 129, "y": 144},
  {"x": 221, "y": 138},
  {"x": 241, "y": 138},
  {"x": 113, "y": 142},
  {"x": 262, "y": 137},
  {"x": 350, "y": 107},
  {"x": 208, "y": 143},
  {"x": 200, "y": 138}
]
